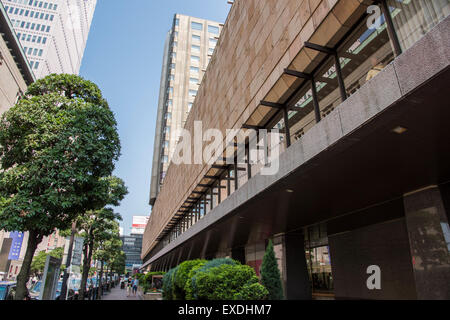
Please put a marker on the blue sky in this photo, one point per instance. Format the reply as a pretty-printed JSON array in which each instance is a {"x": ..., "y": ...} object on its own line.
[{"x": 124, "y": 57}]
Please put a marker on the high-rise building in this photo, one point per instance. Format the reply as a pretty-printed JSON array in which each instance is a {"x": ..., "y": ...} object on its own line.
[
  {"x": 356, "y": 200},
  {"x": 15, "y": 72},
  {"x": 188, "y": 49},
  {"x": 132, "y": 247},
  {"x": 53, "y": 33}
]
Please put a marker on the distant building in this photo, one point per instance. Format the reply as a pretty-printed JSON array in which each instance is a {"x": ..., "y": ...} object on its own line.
[
  {"x": 15, "y": 72},
  {"x": 187, "y": 52},
  {"x": 53, "y": 33},
  {"x": 132, "y": 247}
]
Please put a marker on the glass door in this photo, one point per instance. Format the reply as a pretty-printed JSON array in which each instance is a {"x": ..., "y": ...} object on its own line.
[{"x": 319, "y": 262}]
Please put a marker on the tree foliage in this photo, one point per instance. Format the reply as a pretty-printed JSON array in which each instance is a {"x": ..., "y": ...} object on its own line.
[
  {"x": 38, "y": 263},
  {"x": 58, "y": 146},
  {"x": 270, "y": 274},
  {"x": 55, "y": 144}
]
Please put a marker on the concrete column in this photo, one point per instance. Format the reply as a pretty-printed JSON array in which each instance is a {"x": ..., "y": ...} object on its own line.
[
  {"x": 296, "y": 279},
  {"x": 427, "y": 226}
]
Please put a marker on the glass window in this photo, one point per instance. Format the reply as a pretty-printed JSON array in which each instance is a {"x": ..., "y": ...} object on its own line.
[
  {"x": 213, "y": 29},
  {"x": 195, "y": 48},
  {"x": 196, "y": 26},
  {"x": 196, "y": 38},
  {"x": 193, "y": 80},
  {"x": 194, "y": 69},
  {"x": 413, "y": 19},
  {"x": 212, "y": 42},
  {"x": 195, "y": 59},
  {"x": 192, "y": 93}
]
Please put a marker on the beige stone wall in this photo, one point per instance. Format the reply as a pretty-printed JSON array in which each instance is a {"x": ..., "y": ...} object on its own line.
[
  {"x": 259, "y": 40},
  {"x": 11, "y": 80}
]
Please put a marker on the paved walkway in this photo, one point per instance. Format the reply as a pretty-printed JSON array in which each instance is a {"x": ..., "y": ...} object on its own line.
[{"x": 121, "y": 294}]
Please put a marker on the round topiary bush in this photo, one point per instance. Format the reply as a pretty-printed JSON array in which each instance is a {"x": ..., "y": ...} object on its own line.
[
  {"x": 191, "y": 284},
  {"x": 224, "y": 282},
  {"x": 181, "y": 277},
  {"x": 167, "y": 291}
]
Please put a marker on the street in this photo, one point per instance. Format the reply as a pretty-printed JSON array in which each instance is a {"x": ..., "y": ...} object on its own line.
[{"x": 121, "y": 294}]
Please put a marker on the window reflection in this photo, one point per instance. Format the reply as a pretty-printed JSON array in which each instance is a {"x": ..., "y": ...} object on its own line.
[{"x": 414, "y": 18}]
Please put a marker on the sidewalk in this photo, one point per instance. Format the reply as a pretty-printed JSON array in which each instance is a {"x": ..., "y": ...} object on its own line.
[{"x": 121, "y": 294}]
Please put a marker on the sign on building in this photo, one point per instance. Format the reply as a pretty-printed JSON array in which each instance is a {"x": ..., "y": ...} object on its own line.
[{"x": 16, "y": 246}]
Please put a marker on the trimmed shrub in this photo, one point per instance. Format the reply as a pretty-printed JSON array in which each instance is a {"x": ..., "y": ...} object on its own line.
[
  {"x": 191, "y": 285},
  {"x": 167, "y": 292},
  {"x": 223, "y": 282},
  {"x": 188, "y": 287},
  {"x": 270, "y": 274},
  {"x": 252, "y": 291},
  {"x": 182, "y": 276}
]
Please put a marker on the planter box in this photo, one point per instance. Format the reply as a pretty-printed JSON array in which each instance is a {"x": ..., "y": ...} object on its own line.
[{"x": 153, "y": 296}]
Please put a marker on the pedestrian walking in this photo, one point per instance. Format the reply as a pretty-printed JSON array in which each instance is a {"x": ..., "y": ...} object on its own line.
[
  {"x": 135, "y": 285},
  {"x": 129, "y": 286}
]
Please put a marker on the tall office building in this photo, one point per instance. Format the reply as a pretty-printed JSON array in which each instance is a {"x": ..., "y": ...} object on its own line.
[
  {"x": 188, "y": 49},
  {"x": 53, "y": 33}
]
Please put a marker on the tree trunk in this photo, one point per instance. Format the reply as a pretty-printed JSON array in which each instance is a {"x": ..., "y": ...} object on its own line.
[
  {"x": 33, "y": 240},
  {"x": 100, "y": 284},
  {"x": 69, "y": 260},
  {"x": 86, "y": 268}
]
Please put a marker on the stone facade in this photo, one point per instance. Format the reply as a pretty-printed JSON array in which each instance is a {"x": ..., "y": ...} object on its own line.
[{"x": 259, "y": 40}]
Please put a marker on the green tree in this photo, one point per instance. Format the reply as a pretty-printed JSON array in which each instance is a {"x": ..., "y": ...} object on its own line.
[
  {"x": 270, "y": 274},
  {"x": 118, "y": 263},
  {"x": 38, "y": 263},
  {"x": 55, "y": 146},
  {"x": 106, "y": 251},
  {"x": 97, "y": 227}
]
